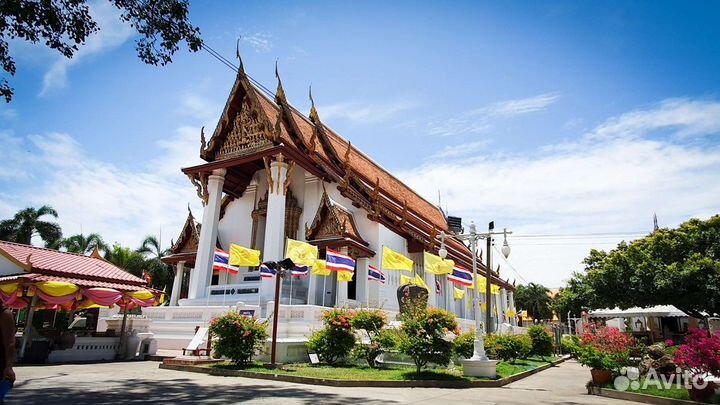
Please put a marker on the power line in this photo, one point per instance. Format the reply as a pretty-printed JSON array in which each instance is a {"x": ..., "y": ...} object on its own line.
[
  {"x": 595, "y": 234},
  {"x": 510, "y": 265}
]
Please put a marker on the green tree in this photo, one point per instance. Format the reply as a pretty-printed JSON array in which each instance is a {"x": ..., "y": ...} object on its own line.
[
  {"x": 535, "y": 299},
  {"x": 161, "y": 273},
  {"x": 84, "y": 244},
  {"x": 127, "y": 259},
  {"x": 28, "y": 222},
  {"x": 62, "y": 25},
  {"x": 679, "y": 267}
]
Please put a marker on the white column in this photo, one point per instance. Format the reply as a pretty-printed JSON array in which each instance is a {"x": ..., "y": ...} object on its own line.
[
  {"x": 177, "y": 283},
  {"x": 361, "y": 281},
  {"x": 432, "y": 296},
  {"x": 511, "y": 304},
  {"x": 202, "y": 275},
  {"x": 341, "y": 287},
  {"x": 274, "y": 248},
  {"x": 503, "y": 304},
  {"x": 449, "y": 294},
  {"x": 311, "y": 202},
  {"x": 497, "y": 313}
]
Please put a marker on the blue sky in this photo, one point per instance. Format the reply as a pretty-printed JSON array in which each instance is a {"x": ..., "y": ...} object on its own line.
[{"x": 548, "y": 117}]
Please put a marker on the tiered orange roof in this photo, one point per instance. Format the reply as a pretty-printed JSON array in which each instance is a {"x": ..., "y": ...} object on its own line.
[{"x": 320, "y": 150}]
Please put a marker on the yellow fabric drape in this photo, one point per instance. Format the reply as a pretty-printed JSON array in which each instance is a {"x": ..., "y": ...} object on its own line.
[
  {"x": 57, "y": 288},
  {"x": 9, "y": 288},
  {"x": 142, "y": 295}
]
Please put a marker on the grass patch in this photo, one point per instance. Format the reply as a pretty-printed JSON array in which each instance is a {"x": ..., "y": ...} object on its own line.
[
  {"x": 669, "y": 392},
  {"x": 393, "y": 373}
]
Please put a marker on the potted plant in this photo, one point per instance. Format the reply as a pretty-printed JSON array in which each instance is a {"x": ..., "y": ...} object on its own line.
[
  {"x": 605, "y": 350},
  {"x": 700, "y": 358},
  {"x": 601, "y": 364}
]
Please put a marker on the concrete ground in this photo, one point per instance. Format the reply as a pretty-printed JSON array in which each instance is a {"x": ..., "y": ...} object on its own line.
[{"x": 145, "y": 383}]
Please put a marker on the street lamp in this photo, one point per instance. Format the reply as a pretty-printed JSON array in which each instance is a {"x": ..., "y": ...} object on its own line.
[{"x": 479, "y": 365}]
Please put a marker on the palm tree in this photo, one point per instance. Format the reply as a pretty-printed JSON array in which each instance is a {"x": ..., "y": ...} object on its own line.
[
  {"x": 127, "y": 259},
  {"x": 162, "y": 274},
  {"x": 27, "y": 223},
  {"x": 535, "y": 299},
  {"x": 151, "y": 245},
  {"x": 84, "y": 244}
]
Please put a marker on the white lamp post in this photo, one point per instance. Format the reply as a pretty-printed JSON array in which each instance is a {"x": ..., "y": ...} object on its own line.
[{"x": 479, "y": 365}]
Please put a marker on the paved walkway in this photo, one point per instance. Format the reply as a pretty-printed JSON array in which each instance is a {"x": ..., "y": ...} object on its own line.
[{"x": 145, "y": 383}]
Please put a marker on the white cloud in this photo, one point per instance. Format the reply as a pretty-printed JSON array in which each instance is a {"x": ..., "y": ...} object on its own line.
[
  {"x": 260, "y": 41},
  {"x": 122, "y": 204},
  {"x": 112, "y": 34},
  {"x": 199, "y": 107},
  {"x": 363, "y": 113},
  {"x": 457, "y": 151},
  {"x": 482, "y": 119},
  {"x": 609, "y": 184},
  {"x": 683, "y": 117},
  {"x": 522, "y": 106}
]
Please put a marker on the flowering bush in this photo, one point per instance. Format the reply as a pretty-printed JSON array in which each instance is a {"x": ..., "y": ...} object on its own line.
[
  {"x": 372, "y": 321},
  {"x": 237, "y": 337},
  {"x": 700, "y": 354},
  {"x": 609, "y": 343},
  {"x": 427, "y": 336},
  {"x": 335, "y": 340}
]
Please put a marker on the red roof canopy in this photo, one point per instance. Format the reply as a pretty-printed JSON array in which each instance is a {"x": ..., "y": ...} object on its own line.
[{"x": 51, "y": 262}]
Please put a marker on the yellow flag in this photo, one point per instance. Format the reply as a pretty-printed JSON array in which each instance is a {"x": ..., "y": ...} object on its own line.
[
  {"x": 162, "y": 296},
  {"x": 393, "y": 260},
  {"x": 483, "y": 306},
  {"x": 405, "y": 280},
  {"x": 319, "y": 269},
  {"x": 494, "y": 289},
  {"x": 511, "y": 312},
  {"x": 242, "y": 256},
  {"x": 345, "y": 276},
  {"x": 458, "y": 294},
  {"x": 301, "y": 253},
  {"x": 436, "y": 264},
  {"x": 418, "y": 281}
]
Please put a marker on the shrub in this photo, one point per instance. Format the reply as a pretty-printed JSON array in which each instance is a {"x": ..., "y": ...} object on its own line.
[
  {"x": 427, "y": 336},
  {"x": 509, "y": 348},
  {"x": 464, "y": 347},
  {"x": 489, "y": 342},
  {"x": 335, "y": 340},
  {"x": 700, "y": 354},
  {"x": 372, "y": 321},
  {"x": 570, "y": 344},
  {"x": 542, "y": 344},
  {"x": 592, "y": 357},
  {"x": 237, "y": 337}
]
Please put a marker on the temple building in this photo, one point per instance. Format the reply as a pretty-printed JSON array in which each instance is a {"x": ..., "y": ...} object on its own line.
[{"x": 272, "y": 173}]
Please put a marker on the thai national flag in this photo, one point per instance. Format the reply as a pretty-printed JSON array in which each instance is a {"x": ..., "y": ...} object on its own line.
[
  {"x": 337, "y": 261},
  {"x": 266, "y": 272},
  {"x": 461, "y": 276},
  {"x": 438, "y": 289},
  {"x": 300, "y": 271},
  {"x": 375, "y": 274},
  {"x": 221, "y": 262}
]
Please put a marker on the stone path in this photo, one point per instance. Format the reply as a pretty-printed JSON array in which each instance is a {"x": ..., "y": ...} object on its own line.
[{"x": 145, "y": 383}]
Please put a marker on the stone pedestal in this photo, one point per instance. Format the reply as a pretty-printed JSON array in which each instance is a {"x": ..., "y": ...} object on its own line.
[{"x": 480, "y": 368}]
